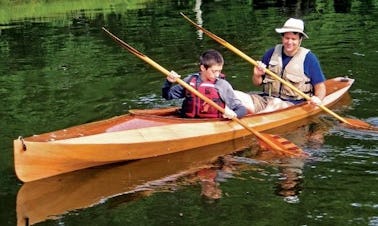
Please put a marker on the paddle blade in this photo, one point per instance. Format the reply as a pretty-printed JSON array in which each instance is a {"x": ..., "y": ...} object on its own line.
[
  {"x": 355, "y": 123},
  {"x": 284, "y": 147}
]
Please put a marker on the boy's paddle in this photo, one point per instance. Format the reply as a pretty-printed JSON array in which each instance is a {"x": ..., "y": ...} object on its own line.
[
  {"x": 267, "y": 141},
  {"x": 354, "y": 123}
]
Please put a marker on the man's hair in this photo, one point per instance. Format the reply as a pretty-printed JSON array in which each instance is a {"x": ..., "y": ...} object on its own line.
[
  {"x": 211, "y": 57},
  {"x": 296, "y": 33}
]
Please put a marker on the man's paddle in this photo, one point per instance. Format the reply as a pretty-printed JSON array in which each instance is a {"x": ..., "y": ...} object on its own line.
[
  {"x": 354, "y": 123},
  {"x": 267, "y": 141}
]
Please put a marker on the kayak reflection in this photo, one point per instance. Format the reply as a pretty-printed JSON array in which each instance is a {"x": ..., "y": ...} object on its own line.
[{"x": 49, "y": 198}]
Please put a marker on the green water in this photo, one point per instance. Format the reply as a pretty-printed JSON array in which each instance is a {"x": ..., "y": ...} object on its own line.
[{"x": 58, "y": 69}]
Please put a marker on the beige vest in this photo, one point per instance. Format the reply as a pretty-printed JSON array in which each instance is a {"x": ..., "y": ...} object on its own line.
[{"x": 293, "y": 73}]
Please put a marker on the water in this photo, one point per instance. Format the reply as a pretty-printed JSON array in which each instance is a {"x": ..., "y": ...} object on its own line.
[{"x": 58, "y": 69}]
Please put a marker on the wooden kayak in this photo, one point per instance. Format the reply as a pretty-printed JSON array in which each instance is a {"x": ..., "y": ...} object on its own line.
[
  {"x": 144, "y": 134},
  {"x": 54, "y": 196}
]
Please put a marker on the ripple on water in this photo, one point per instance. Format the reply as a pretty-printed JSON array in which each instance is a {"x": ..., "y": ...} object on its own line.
[
  {"x": 350, "y": 133},
  {"x": 292, "y": 199},
  {"x": 373, "y": 221}
]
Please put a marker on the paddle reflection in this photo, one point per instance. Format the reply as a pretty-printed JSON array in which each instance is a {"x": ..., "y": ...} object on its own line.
[
  {"x": 52, "y": 197},
  {"x": 290, "y": 180}
]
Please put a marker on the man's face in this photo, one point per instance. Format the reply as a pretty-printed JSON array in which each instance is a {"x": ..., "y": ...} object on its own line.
[{"x": 291, "y": 42}]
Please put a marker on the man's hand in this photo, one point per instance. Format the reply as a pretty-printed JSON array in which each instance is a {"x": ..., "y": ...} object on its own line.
[
  {"x": 258, "y": 72},
  {"x": 260, "y": 68},
  {"x": 316, "y": 100}
]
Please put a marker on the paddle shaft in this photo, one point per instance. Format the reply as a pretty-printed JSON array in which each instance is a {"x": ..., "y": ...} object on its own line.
[
  {"x": 191, "y": 89},
  {"x": 250, "y": 60}
]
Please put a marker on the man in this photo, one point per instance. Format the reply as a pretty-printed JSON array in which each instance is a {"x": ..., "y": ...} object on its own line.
[
  {"x": 208, "y": 83},
  {"x": 294, "y": 64}
]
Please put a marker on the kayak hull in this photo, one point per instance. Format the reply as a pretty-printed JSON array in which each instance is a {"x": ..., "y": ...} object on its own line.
[{"x": 144, "y": 134}]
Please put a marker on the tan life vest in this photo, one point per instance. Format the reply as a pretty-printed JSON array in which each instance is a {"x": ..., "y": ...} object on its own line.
[{"x": 293, "y": 73}]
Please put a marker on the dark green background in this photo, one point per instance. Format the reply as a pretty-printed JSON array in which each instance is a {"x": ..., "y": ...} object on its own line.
[{"x": 58, "y": 69}]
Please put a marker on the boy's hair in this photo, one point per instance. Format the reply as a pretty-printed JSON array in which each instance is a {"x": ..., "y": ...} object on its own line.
[{"x": 211, "y": 57}]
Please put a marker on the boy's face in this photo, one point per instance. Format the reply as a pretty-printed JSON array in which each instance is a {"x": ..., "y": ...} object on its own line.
[{"x": 211, "y": 73}]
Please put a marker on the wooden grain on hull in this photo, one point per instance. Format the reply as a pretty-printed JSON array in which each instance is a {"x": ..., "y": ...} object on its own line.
[{"x": 145, "y": 134}]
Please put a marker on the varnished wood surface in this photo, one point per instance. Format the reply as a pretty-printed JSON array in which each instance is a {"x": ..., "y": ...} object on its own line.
[{"x": 144, "y": 134}]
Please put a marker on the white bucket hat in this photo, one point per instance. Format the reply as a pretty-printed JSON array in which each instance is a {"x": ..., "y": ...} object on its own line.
[{"x": 292, "y": 25}]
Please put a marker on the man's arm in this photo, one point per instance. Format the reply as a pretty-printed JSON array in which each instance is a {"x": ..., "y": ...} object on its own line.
[
  {"x": 313, "y": 69},
  {"x": 320, "y": 90}
]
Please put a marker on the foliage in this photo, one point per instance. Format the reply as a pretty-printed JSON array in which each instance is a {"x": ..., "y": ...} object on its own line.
[{"x": 11, "y": 11}]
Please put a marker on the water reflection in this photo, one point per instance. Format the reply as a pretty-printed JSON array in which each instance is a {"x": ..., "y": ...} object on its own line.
[
  {"x": 79, "y": 78},
  {"x": 342, "y": 6},
  {"x": 198, "y": 11},
  {"x": 52, "y": 197},
  {"x": 209, "y": 185},
  {"x": 350, "y": 133},
  {"x": 295, "y": 7},
  {"x": 210, "y": 178},
  {"x": 290, "y": 181}
]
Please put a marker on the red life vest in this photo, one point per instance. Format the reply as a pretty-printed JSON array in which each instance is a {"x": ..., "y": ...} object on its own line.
[{"x": 196, "y": 107}]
